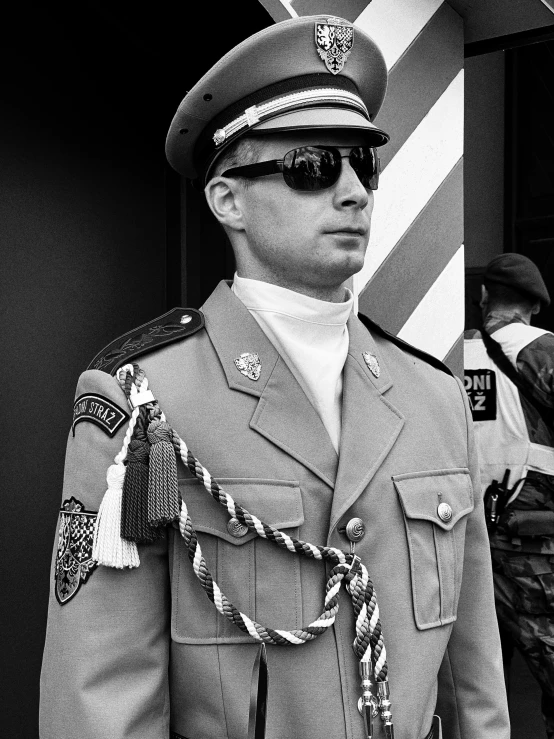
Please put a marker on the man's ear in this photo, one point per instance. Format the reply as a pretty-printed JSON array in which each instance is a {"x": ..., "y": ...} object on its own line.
[
  {"x": 536, "y": 308},
  {"x": 484, "y": 297},
  {"x": 224, "y": 196}
]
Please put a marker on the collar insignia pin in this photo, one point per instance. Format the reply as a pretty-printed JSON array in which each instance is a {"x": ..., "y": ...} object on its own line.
[
  {"x": 249, "y": 365},
  {"x": 372, "y": 362},
  {"x": 334, "y": 41}
]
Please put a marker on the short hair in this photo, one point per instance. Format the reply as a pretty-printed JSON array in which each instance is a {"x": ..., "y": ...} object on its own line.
[
  {"x": 244, "y": 151},
  {"x": 508, "y": 296}
]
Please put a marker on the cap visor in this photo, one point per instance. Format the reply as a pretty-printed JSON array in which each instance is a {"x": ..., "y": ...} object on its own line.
[{"x": 321, "y": 118}]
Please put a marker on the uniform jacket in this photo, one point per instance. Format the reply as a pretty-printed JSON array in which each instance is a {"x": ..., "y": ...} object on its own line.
[{"x": 141, "y": 651}]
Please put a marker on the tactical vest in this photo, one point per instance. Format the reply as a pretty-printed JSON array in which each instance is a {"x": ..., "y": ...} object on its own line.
[{"x": 502, "y": 439}]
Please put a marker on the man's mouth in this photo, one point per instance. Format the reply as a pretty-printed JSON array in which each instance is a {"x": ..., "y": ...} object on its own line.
[{"x": 349, "y": 231}]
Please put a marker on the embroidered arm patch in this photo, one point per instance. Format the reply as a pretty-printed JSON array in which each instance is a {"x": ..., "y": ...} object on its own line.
[
  {"x": 100, "y": 411},
  {"x": 74, "y": 562}
]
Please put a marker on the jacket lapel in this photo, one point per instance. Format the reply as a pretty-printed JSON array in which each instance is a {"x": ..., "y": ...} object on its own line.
[
  {"x": 284, "y": 414},
  {"x": 370, "y": 424}
]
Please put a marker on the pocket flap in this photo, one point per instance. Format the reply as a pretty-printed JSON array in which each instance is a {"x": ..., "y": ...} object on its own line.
[
  {"x": 421, "y": 493},
  {"x": 275, "y": 502}
]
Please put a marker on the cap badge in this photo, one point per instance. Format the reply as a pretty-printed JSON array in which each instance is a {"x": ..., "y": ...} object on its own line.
[
  {"x": 334, "y": 41},
  {"x": 372, "y": 362},
  {"x": 249, "y": 365}
]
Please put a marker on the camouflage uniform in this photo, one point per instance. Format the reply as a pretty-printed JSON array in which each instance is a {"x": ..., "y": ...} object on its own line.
[{"x": 524, "y": 566}]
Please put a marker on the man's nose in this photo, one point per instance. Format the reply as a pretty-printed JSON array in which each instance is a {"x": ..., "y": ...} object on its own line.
[{"x": 349, "y": 191}]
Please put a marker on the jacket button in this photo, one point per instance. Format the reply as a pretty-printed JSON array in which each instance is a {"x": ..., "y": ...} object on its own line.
[
  {"x": 445, "y": 512},
  {"x": 236, "y": 528},
  {"x": 355, "y": 529}
]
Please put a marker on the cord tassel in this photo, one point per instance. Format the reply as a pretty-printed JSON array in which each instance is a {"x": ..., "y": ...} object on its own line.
[
  {"x": 109, "y": 548},
  {"x": 134, "y": 504},
  {"x": 164, "y": 502}
]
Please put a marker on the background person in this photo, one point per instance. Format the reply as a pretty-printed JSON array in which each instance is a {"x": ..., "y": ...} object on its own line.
[
  {"x": 348, "y": 446},
  {"x": 516, "y": 446}
]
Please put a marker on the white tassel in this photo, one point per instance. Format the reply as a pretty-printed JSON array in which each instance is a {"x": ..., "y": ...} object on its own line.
[{"x": 109, "y": 548}]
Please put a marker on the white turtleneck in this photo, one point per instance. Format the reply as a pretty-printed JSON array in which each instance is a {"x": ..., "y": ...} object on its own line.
[{"x": 311, "y": 336}]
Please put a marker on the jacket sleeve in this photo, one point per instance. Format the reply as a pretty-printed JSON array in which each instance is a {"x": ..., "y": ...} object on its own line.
[
  {"x": 472, "y": 697},
  {"x": 105, "y": 664}
]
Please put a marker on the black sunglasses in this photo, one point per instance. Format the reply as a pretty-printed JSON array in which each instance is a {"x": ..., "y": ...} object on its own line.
[{"x": 312, "y": 168}]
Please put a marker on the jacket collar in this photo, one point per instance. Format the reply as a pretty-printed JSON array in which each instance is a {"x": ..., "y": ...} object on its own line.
[{"x": 286, "y": 417}]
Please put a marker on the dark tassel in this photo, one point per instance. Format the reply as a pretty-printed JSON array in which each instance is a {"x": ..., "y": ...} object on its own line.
[
  {"x": 163, "y": 491},
  {"x": 134, "y": 506}
]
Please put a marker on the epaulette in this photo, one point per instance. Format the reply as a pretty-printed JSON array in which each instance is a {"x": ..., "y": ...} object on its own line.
[
  {"x": 173, "y": 326},
  {"x": 429, "y": 358}
]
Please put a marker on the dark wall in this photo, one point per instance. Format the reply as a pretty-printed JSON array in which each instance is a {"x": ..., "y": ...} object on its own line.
[
  {"x": 529, "y": 206},
  {"x": 90, "y": 246}
]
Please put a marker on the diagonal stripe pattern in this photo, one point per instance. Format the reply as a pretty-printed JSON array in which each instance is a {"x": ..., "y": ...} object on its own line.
[{"x": 422, "y": 41}]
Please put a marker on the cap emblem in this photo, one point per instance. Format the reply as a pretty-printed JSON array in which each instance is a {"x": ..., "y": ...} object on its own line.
[{"x": 334, "y": 41}]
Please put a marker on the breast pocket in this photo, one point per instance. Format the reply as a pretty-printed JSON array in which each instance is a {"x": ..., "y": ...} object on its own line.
[
  {"x": 435, "y": 506},
  {"x": 258, "y": 577}
]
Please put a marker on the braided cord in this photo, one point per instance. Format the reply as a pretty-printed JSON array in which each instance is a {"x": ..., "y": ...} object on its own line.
[
  {"x": 130, "y": 378},
  {"x": 254, "y": 524},
  {"x": 368, "y": 644},
  {"x": 241, "y": 620}
]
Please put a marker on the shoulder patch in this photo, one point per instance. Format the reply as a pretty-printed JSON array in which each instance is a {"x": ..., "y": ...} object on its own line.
[
  {"x": 429, "y": 358},
  {"x": 174, "y": 325},
  {"x": 99, "y": 410},
  {"x": 74, "y": 562}
]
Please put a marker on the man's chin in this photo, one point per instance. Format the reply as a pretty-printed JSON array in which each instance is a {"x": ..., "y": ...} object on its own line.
[
  {"x": 350, "y": 265},
  {"x": 339, "y": 278}
]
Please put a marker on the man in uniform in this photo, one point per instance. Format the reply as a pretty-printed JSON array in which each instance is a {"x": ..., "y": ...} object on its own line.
[
  {"x": 314, "y": 451},
  {"x": 510, "y": 378}
]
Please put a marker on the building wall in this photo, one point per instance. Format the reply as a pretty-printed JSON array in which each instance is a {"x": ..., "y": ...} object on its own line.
[{"x": 80, "y": 214}]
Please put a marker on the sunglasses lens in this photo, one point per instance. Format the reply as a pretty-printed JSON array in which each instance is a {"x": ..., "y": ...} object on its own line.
[
  {"x": 365, "y": 162},
  {"x": 309, "y": 168}
]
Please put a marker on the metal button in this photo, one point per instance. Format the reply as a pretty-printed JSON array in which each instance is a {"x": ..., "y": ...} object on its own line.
[
  {"x": 445, "y": 512},
  {"x": 236, "y": 528},
  {"x": 355, "y": 529}
]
